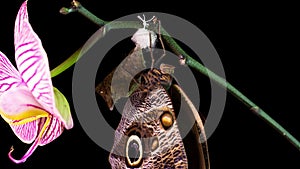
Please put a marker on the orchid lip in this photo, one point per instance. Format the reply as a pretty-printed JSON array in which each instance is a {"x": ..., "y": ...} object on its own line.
[
  {"x": 27, "y": 154},
  {"x": 32, "y": 147}
]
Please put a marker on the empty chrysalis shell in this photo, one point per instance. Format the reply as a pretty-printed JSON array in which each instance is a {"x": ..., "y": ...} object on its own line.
[{"x": 144, "y": 38}]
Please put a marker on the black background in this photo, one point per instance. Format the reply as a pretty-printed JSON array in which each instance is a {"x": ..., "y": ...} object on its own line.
[{"x": 256, "y": 42}]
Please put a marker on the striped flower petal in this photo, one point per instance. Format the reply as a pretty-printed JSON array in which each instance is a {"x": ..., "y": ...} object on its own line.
[
  {"x": 32, "y": 62},
  {"x": 53, "y": 130},
  {"x": 28, "y": 120},
  {"x": 49, "y": 129},
  {"x": 26, "y": 132},
  {"x": 9, "y": 76},
  {"x": 22, "y": 112}
]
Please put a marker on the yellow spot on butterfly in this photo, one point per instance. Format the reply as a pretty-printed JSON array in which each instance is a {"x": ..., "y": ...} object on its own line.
[{"x": 167, "y": 120}]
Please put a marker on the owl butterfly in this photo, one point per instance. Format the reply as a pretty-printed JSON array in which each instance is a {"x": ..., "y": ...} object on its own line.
[{"x": 148, "y": 135}]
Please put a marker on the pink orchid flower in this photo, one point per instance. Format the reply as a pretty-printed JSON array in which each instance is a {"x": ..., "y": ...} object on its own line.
[{"x": 27, "y": 97}]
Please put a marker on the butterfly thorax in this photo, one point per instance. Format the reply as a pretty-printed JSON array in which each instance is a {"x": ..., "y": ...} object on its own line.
[
  {"x": 153, "y": 78},
  {"x": 151, "y": 84}
]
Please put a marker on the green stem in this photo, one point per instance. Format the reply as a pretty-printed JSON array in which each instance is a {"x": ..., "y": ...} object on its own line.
[
  {"x": 188, "y": 61},
  {"x": 66, "y": 64},
  {"x": 236, "y": 93},
  {"x": 78, "y": 53},
  {"x": 76, "y": 5},
  {"x": 106, "y": 26}
]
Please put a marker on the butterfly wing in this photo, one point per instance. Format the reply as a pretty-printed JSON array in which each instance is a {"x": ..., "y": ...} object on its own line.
[
  {"x": 148, "y": 129},
  {"x": 195, "y": 141}
]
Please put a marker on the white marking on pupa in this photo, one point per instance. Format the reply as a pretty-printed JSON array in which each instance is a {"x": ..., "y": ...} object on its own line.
[{"x": 143, "y": 37}]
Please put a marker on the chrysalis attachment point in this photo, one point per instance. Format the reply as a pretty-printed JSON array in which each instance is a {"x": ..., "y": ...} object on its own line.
[
  {"x": 145, "y": 22},
  {"x": 143, "y": 37}
]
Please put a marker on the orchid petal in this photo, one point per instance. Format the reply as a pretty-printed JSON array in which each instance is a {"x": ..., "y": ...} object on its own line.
[
  {"x": 32, "y": 62},
  {"x": 49, "y": 129},
  {"x": 63, "y": 108},
  {"x": 52, "y": 130},
  {"x": 9, "y": 76},
  {"x": 32, "y": 124},
  {"x": 28, "y": 119},
  {"x": 26, "y": 132},
  {"x": 22, "y": 112}
]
